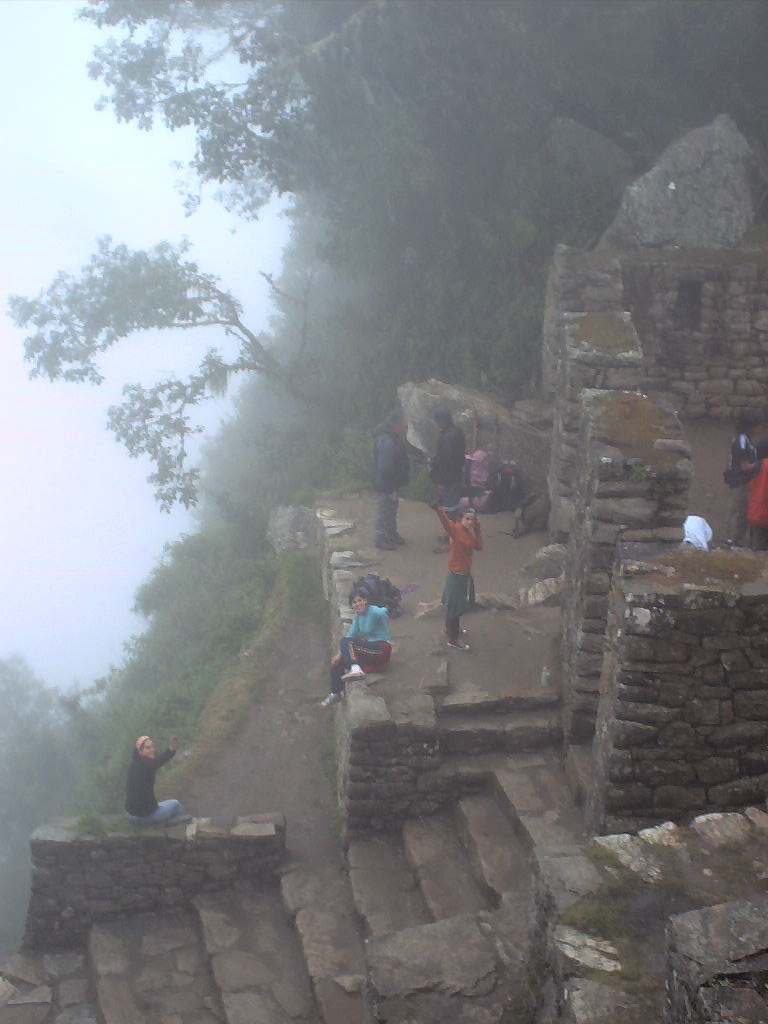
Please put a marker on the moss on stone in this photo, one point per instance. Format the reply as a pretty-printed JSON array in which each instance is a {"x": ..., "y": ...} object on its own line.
[
  {"x": 703, "y": 567},
  {"x": 632, "y": 423},
  {"x": 605, "y": 333}
]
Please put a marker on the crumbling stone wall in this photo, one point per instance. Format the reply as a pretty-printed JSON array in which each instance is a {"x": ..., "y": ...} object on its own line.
[
  {"x": 702, "y": 319},
  {"x": 632, "y": 481},
  {"x": 578, "y": 282},
  {"x": 598, "y": 350},
  {"x": 77, "y": 880},
  {"x": 683, "y": 714}
]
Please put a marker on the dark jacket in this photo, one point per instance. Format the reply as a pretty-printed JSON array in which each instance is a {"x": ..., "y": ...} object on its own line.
[
  {"x": 447, "y": 467},
  {"x": 742, "y": 450},
  {"x": 140, "y": 791},
  {"x": 390, "y": 461}
]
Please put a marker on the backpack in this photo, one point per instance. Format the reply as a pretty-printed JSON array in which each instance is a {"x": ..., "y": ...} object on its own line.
[
  {"x": 381, "y": 592},
  {"x": 505, "y": 484},
  {"x": 477, "y": 471}
]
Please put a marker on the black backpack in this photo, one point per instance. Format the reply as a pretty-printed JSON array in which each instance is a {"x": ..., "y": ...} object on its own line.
[
  {"x": 381, "y": 592},
  {"x": 504, "y": 483}
]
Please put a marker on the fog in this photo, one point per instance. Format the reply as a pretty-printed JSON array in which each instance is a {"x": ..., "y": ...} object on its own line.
[{"x": 79, "y": 525}]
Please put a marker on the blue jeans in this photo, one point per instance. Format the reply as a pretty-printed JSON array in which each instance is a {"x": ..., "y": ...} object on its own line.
[{"x": 166, "y": 809}]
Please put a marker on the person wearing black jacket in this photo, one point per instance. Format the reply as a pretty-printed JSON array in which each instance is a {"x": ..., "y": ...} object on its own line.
[
  {"x": 446, "y": 469},
  {"x": 390, "y": 472},
  {"x": 141, "y": 807}
]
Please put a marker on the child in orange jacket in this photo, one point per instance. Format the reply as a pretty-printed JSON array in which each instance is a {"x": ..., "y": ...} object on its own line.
[{"x": 465, "y": 538}]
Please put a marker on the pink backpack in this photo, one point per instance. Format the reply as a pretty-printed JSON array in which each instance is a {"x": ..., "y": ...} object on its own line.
[{"x": 477, "y": 472}]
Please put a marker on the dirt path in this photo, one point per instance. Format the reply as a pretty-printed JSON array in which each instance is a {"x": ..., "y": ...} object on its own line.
[{"x": 281, "y": 759}]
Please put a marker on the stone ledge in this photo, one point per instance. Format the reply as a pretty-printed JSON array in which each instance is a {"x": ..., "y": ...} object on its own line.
[{"x": 79, "y": 879}]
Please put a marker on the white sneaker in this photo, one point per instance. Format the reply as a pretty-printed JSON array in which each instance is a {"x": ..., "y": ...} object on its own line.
[
  {"x": 354, "y": 673},
  {"x": 332, "y": 698}
]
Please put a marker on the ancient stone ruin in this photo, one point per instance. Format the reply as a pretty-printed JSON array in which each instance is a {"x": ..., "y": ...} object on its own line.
[{"x": 520, "y": 846}]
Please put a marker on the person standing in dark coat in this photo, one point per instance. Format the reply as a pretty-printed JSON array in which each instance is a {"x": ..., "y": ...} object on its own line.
[
  {"x": 390, "y": 472},
  {"x": 743, "y": 464},
  {"x": 446, "y": 469},
  {"x": 141, "y": 807}
]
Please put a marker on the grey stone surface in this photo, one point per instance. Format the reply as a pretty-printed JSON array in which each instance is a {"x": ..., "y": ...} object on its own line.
[
  {"x": 450, "y": 956},
  {"x": 700, "y": 194},
  {"x": 292, "y": 528}
]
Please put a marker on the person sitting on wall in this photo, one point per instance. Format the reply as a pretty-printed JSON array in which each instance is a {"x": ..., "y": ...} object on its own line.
[
  {"x": 367, "y": 647},
  {"x": 141, "y": 807}
]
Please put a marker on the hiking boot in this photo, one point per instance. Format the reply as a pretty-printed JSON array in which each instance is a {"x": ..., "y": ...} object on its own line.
[
  {"x": 354, "y": 673},
  {"x": 332, "y": 698},
  {"x": 397, "y": 539},
  {"x": 386, "y": 545},
  {"x": 457, "y": 645}
]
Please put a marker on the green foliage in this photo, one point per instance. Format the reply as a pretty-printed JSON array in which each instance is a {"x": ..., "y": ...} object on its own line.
[
  {"x": 37, "y": 770},
  {"x": 413, "y": 138},
  {"x": 202, "y": 602}
]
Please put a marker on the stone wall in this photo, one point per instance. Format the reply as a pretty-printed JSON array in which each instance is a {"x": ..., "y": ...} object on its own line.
[
  {"x": 715, "y": 959},
  {"x": 598, "y": 350},
  {"x": 578, "y": 282},
  {"x": 77, "y": 880},
  {"x": 683, "y": 715},
  {"x": 702, "y": 318},
  {"x": 388, "y": 771},
  {"x": 631, "y": 481}
]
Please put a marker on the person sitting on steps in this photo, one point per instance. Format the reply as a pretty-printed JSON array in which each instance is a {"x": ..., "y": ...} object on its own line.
[
  {"x": 367, "y": 647},
  {"x": 141, "y": 807},
  {"x": 465, "y": 538}
]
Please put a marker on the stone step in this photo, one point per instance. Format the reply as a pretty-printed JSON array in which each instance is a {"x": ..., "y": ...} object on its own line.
[
  {"x": 540, "y": 804},
  {"x": 476, "y": 701},
  {"x": 151, "y": 969},
  {"x": 463, "y": 733},
  {"x": 255, "y": 956},
  {"x": 386, "y": 894},
  {"x": 496, "y": 854},
  {"x": 328, "y": 930},
  {"x": 445, "y": 875},
  {"x": 39, "y": 987},
  {"x": 448, "y": 971}
]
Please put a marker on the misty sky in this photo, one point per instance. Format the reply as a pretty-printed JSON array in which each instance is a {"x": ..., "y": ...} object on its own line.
[{"x": 79, "y": 526}]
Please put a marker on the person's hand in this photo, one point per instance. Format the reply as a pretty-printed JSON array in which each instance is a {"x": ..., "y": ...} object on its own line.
[
  {"x": 173, "y": 743},
  {"x": 335, "y": 659}
]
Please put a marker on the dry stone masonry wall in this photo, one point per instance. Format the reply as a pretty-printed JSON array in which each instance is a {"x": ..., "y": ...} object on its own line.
[
  {"x": 702, "y": 318},
  {"x": 599, "y": 351},
  {"x": 632, "y": 481},
  {"x": 77, "y": 880},
  {"x": 683, "y": 716}
]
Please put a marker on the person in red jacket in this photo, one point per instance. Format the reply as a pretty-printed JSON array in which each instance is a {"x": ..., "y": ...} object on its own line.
[{"x": 465, "y": 537}]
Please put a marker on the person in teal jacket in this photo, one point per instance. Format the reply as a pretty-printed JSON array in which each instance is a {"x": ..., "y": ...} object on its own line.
[{"x": 367, "y": 647}]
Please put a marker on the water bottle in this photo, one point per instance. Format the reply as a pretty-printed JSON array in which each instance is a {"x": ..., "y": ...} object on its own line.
[{"x": 545, "y": 676}]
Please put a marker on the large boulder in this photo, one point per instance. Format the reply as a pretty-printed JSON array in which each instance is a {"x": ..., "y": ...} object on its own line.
[
  {"x": 522, "y": 433},
  {"x": 700, "y": 194},
  {"x": 292, "y": 528}
]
